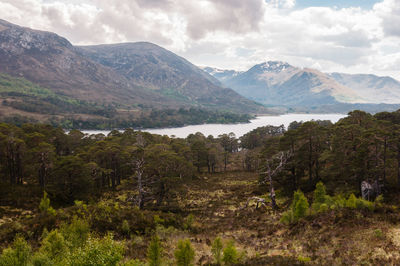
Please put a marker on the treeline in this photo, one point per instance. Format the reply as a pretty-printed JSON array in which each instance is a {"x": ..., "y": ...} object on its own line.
[
  {"x": 76, "y": 166},
  {"x": 360, "y": 147},
  {"x": 155, "y": 119},
  {"x": 151, "y": 119}
]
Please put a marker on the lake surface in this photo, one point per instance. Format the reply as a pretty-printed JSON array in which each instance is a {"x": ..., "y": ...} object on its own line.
[{"x": 238, "y": 129}]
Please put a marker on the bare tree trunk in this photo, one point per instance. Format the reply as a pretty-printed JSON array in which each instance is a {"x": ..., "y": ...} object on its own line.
[
  {"x": 139, "y": 174},
  {"x": 384, "y": 160},
  {"x": 283, "y": 158},
  {"x": 272, "y": 194}
]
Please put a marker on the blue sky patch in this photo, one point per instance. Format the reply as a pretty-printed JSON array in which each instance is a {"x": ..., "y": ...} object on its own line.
[{"x": 365, "y": 4}]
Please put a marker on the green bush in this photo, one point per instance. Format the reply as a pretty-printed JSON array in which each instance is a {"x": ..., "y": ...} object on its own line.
[
  {"x": 304, "y": 259},
  {"x": 40, "y": 259},
  {"x": 323, "y": 207},
  {"x": 230, "y": 255},
  {"x": 154, "y": 252},
  {"x": 216, "y": 250},
  {"x": 125, "y": 227},
  {"x": 300, "y": 206},
  {"x": 76, "y": 233},
  {"x": 45, "y": 207},
  {"x": 287, "y": 217},
  {"x": 184, "y": 254},
  {"x": 105, "y": 251},
  {"x": 298, "y": 209},
  {"x": 134, "y": 262},
  {"x": 18, "y": 254},
  {"x": 189, "y": 222},
  {"x": 351, "y": 202},
  {"x": 378, "y": 233},
  {"x": 340, "y": 201},
  {"x": 54, "y": 246},
  {"x": 319, "y": 193},
  {"x": 364, "y": 204},
  {"x": 322, "y": 202},
  {"x": 378, "y": 201}
]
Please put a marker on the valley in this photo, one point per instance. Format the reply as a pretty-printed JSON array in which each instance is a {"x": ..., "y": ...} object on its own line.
[{"x": 182, "y": 133}]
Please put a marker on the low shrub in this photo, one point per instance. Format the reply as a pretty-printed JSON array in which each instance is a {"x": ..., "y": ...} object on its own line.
[
  {"x": 230, "y": 254},
  {"x": 154, "y": 252},
  {"x": 45, "y": 207},
  {"x": 216, "y": 250},
  {"x": 184, "y": 254},
  {"x": 18, "y": 254}
]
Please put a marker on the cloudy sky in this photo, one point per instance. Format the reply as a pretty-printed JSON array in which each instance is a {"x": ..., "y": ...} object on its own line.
[{"x": 354, "y": 36}]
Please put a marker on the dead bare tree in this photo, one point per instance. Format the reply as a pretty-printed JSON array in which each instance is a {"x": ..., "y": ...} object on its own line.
[
  {"x": 270, "y": 173},
  {"x": 258, "y": 200},
  {"x": 138, "y": 164}
]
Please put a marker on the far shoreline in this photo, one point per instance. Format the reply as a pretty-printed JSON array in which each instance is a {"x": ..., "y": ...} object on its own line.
[{"x": 238, "y": 129}]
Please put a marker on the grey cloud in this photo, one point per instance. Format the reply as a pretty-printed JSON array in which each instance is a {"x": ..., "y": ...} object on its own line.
[
  {"x": 235, "y": 16},
  {"x": 358, "y": 38},
  {"x": 159, "y": 4},
  {"x": 345, "y": 56},
  {"x": 125, "y": 19},
  {"x": 391, "y": 22}
]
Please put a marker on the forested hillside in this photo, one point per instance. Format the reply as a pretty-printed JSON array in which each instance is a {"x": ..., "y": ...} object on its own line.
[
  {"x": 315, "y": 193},
  {"x": 24, "y": 101}
]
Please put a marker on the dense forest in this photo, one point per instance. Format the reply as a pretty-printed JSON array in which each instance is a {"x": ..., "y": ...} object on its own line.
[{"x": 315, "y": 193}]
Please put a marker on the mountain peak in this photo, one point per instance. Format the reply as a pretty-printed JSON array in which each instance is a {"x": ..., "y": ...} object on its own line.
[
  {"x": 15, "y": 39},
  {"x": 272, "y": 66}
]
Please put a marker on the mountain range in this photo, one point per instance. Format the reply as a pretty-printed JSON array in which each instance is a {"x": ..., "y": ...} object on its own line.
[
  {"x": 127, "y": 77},
  {"x": 45, "y": 77},
  {"x": 280, "y": 84}
]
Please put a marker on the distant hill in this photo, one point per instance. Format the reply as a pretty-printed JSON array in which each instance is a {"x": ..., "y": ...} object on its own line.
[
  {"x": 163, "y": 72},
  {"x": 127, "y": 79},
  {"x": 374, "y": 89},
  {"x": 276, "y": 83}
]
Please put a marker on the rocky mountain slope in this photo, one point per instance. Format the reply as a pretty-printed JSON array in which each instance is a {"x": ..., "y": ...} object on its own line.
[
  {"x": 167, "y": 74},
  {"x": 129, "y": 76},
  {"x": 277, "y": 83}
]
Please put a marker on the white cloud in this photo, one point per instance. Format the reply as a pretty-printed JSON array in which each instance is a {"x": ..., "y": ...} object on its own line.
[
  {"x": 229, "y": 33},
  {"x": 389, "y": 12}
]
